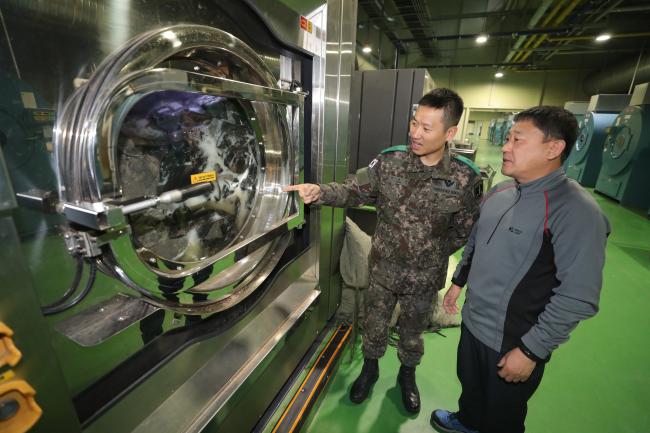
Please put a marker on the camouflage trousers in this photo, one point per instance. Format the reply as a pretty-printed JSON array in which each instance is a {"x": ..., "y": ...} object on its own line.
[{"x": 415, "y": 293}]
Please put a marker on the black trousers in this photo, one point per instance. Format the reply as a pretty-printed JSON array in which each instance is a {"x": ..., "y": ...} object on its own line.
[{"x": 488, "y": 403}]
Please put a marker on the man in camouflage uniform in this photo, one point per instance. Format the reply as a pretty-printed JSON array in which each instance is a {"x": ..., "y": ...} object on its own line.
[{"x": 427, "y": 201}]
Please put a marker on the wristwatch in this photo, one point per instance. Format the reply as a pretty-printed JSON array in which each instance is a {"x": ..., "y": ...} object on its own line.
[{"x": 528, "y": 353}]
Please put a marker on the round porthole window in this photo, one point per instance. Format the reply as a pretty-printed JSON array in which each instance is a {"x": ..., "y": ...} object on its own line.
[{"x": 185, "y": 132}]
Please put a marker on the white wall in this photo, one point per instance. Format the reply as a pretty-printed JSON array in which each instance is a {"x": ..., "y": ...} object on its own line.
[{"x": 515, "y": 91}]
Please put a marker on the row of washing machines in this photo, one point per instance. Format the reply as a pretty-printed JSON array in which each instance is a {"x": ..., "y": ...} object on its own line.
[
  {"x": 612, "y": 152},
  {"x": 498, "y": 129}
]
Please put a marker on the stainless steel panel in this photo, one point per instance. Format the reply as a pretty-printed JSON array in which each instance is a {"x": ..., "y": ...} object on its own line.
[
  {"x": 608, "y": 103},
  {"x": 191, "y": 407},
  {"x": 641, "y": 94},
  {"x": 576, "y": 107},
  {"x": 347, "y": 50},
  {"x": 102, "y": 321},
  {"x": 135, "y": 407}
]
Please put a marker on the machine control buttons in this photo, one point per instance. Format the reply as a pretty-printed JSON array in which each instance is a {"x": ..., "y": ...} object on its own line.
[
  {"x": 9, "y": 354},
  {"x": 18, "y": 408}
]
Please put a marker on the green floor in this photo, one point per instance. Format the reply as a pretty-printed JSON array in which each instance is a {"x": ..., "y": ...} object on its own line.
[{"x": 598, "y": 382}]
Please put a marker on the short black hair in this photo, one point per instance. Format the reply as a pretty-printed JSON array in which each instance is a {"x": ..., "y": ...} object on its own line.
[
  {"x": 446, "y": 99},
  {"x": 555, "y": 122}
]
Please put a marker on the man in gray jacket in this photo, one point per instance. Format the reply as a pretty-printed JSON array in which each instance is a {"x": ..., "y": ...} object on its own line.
[{"x": 533, "y": 268}]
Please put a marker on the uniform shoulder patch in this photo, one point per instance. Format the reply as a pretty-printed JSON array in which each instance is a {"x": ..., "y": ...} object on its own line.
[
  {"x": 400, "y": 148},
  {"x": 469, "y": 163}
]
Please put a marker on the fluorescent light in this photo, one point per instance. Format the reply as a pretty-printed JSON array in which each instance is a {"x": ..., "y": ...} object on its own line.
[
  {"x": 481, "y": 39},
  {"x": 604, "y": 37},
  {"x": 366, "y": 49},
  {"x": 498, "y": 74}
]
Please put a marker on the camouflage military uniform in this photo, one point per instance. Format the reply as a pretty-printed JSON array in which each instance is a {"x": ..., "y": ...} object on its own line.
[{"x": 424, "y": 214}]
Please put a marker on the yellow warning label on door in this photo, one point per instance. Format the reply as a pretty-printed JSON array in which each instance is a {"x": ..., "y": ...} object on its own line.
[{"x": 208, "y": 176}]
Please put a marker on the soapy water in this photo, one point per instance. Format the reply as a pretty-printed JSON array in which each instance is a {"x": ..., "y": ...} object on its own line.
[{"x": 165, "y": 138}]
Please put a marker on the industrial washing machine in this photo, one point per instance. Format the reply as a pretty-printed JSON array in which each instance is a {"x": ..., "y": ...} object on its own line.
[
  {"x": 579, "y": 110},
  {"x": 491, "y": 128},
  {"x": 624, "y": 175},
  {"x": 584, "y": 161},
  {"x": 499, "y": 132},
  {"x": 158, "y": 279}
]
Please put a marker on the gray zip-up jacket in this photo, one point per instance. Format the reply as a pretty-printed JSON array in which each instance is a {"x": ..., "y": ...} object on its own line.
[{"x": 533, "y": 264}]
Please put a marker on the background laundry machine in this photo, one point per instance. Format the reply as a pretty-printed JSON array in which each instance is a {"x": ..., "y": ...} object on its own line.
[
  {"x": 499, "y": 131},
  {"x": 584, "y": 161},
  {"x": 624, "y": 175},
  {"x": 578, "y": 108}
]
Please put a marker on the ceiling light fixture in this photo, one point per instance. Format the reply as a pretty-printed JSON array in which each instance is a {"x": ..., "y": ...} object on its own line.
[
  {"x": 481, "y": 39},
  {"x": 603, "y": 37},
  {"x": 498, "y": 74},
  {"x": 366, "y": 49}
]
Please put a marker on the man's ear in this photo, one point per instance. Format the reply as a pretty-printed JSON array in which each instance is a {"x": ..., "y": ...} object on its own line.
[
  {"x": 555, "y": 149},
  {"x": 451, "y": 132}
]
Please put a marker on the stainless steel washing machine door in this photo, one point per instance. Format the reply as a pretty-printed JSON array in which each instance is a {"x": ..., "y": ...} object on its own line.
[{"x": 172, "y": 159}]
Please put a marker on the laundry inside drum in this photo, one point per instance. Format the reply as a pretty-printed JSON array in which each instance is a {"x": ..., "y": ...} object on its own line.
[{"x": 165, "y": 139}]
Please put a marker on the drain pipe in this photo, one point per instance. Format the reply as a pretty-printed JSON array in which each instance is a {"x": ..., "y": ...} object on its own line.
[{"x": 636, "y": 68}]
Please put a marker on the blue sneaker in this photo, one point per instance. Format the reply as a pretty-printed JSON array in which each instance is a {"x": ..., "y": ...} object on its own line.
[{"x": 448, "y": 422}]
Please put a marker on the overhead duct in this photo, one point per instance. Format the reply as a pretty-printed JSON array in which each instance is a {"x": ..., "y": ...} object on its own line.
[{"x": 618, "y": 78}]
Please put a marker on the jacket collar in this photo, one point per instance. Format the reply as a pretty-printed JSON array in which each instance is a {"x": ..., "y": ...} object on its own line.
[
  {"x": 545, "y": 183},
  {"x": 442, "y": 170}
]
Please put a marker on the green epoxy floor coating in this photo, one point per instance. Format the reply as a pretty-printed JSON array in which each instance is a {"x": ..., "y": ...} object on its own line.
[{"x": 597, "y": 382}]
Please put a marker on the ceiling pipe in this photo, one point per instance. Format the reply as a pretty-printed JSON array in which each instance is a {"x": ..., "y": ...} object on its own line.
[
  {"x": 596, "y": 51},
  {"x": 559, "y": 20},
  {"x": 623, "y": 10},
  {"x": 592, "y": 37},
  {"x": 599, "y": 14},
  {"x": 604, "y": 13},
  {"x": 636, "y": 69},
  {"x": 541, "y": 10},
  {"x": 547, "y": 20},
  {"x": 510, "y": 34},
  {"x": 473, "y": 65},
  {"x": 462, "y": 16}
]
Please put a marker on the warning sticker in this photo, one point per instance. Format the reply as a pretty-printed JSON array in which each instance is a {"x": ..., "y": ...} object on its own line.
[
  {"x": 208, "y": 176},
  {"x": 305, "y": 24}
]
